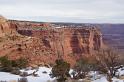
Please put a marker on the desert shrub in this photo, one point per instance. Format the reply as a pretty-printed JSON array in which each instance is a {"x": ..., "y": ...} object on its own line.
[
  {"x": 10, "y": 65},
  {"x": 22, "y": 62},
  {"x": 5, "y": 64},
  {"x": 81, "y": 68},
  {"x": 61, "y": 70},
  {"x": 19, "y": 63},
  {"x": 15, "y": 71},
  {"x": 108, "y": 63}
]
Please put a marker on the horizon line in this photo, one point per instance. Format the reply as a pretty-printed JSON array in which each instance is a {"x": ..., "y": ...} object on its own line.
[{"x": 27, "y": 20}]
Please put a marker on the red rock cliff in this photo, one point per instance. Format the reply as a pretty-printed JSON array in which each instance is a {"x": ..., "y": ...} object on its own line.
[{"x": 45, "y": 46}]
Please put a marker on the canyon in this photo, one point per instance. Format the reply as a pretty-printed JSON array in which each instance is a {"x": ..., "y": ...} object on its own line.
[{"x": 41, "y": 43}]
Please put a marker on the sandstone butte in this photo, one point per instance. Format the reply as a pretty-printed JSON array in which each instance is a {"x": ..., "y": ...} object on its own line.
[{"x": 41, "y": 47}]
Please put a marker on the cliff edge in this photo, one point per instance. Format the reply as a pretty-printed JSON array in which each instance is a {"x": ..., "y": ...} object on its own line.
[{"x": 42, "y": 44}]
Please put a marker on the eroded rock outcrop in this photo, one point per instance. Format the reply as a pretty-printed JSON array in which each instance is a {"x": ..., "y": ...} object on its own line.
[{"x": 6, "y": 27}]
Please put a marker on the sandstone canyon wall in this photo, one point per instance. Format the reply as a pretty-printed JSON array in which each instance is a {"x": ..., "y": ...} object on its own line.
[{"x": 42, "y": 44}]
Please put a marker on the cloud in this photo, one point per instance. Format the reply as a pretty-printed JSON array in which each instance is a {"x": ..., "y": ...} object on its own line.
[{"x": 65, "y": 10}]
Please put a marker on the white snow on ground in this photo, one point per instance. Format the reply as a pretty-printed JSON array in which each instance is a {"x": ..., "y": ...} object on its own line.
[
  {"x": 7, "y": 76},
  {"x": 121, "y": 71},
  {"x": 44, "y": 77},
  {"x": 103, "y": 79}
]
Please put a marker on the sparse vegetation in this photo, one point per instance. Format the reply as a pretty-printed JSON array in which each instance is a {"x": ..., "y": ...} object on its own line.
[
  {"x": 81, "y": 69},
  {"x": 61, "y": 70},
  {"x": 108, "y": 63},
  {"x": 6, "y": 65},
  {"x": 21, "y": 63},
  {"x": 10, "y": 65}
]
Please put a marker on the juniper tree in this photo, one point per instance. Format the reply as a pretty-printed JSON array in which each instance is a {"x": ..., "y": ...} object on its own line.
[{"x": 61, "y": 70}]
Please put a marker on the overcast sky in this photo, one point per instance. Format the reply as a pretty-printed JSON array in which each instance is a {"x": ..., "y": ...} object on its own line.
[{"x": 83, "y": 11}]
